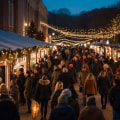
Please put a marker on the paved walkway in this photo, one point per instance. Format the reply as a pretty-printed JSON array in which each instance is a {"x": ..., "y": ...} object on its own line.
[{"x": 107, "y": 112}]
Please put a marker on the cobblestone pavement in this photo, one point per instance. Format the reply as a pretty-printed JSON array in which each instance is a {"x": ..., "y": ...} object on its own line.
[{"x": 107, "y": 112}]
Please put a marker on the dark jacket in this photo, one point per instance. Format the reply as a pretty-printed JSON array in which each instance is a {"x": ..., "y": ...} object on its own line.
[
  {"x": 63, "y": 112},
  {"x": 8, "y": 110},
  {"x": 91, "y": 113},
  {"x": 21, "y": 82},
  {"x": 67, "y": 80},
  {"x": 28, "y": 88},
  {"x": 54, "y": 101},
  {"x": 114, "y": 97},
  {"x": 77, "y": 65},
  {"x": 95, "y": 67},
  {"x": 43, "y": 90},
  {"x": 14, "y": 94},
  {"x": 103, "y": 84},
  {"x": 74, "y": 105},
  {"x": 72, "y": 72}
]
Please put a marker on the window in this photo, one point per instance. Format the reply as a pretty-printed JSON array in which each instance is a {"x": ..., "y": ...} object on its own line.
[{"x": 10, "y": 13}]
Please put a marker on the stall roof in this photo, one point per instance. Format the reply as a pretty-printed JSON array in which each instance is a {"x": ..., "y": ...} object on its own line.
[{"x": 13, "y": 41}]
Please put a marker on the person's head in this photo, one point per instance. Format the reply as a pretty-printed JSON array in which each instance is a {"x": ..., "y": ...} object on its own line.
[
  {"x": 27, "y": 73},
  {"x": 3, "y": 89},
  {"x": 84, "y": 56},
  {"x": 64, "y": 70},
  {"x": 85, "y": 67},
  {"x": 67, "y": 92},
  {"x": 62, "y": 62},
  {"x": 76, "y": 58},
  {"x": 91, "y": 101},
  {"x": 105, "y": 66},
  {"x": 32, "y": 74},
  {"x": 103, "y": 59},
  {"x": 36, "y": 65},
  {"x": 44, "y": 70},
  {"x": 21, "y": 70},
  {"x": 89, "y": 56},
  {"x": 36, "y": 71},
  {"x": 12, "y": 82},
  {"x": 59, "y": 86},
  {"x": 70, "y": 65},
  {"x": 56, "y": 57},
  {"x": 95, "y": 60}
]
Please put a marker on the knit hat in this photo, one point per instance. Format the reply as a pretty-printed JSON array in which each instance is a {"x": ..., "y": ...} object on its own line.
[
  {"x": 66, "y": 92},
  {"x": 62, "y": 99}
]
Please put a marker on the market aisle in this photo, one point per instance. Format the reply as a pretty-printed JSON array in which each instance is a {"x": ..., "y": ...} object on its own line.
[{"x": 107, "y": 113}]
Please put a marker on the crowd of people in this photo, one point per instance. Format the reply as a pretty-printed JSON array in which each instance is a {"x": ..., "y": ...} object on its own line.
[{"x": 53, "y": 78}]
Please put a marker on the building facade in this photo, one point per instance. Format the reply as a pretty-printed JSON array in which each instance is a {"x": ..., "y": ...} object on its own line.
[{"x": 16, "y": 15}]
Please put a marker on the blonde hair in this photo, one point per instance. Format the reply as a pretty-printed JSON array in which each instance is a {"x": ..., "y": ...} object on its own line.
[
  {"x": 90, "y": 77},
  {"x": 3, "y": 89},
  {"x": 58, "y": 86}
]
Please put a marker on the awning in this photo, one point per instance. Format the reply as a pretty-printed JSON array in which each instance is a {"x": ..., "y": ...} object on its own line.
[{"x": 13, "y": 41}]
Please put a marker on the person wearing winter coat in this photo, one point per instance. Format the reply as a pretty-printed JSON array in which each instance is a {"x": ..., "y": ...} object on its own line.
[
  {"x": 72, "y": 102},
  {"x": 95, "y": 68},
  {"x": 63, "y": 111},
  {"x": 20, "y": 83},
  {"x": 71, "y": 71},
  {"x": 57, "y": 71},
  {"x": 103, "y": 86},
  {"x": 8, "y": 109},
  {"x": 114, "y": 97},
  {"x": 67, "y": 80},
  {"x": 91, "y": 112},
  {"x": 42, "y": 95},
  {"x": 28, "y": 90},
  {"x": 82, "y": 77},
  {"x": 14, "y": 92},
  {"x": 90, "y": 86},
  {"x": 77, "y": 66},
  {"x": 57, "y": 92}
]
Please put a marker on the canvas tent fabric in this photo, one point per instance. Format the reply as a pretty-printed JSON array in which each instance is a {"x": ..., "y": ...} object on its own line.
[{"x": 13, "y": 41}]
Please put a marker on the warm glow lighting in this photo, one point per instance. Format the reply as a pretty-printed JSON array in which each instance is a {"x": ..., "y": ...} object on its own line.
[
  {"x": 34, "y": 109},
  {"x": 25, "y": 24}
]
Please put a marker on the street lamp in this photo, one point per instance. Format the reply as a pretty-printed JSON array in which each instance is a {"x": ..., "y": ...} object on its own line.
[{"x": 34, "y": 109}]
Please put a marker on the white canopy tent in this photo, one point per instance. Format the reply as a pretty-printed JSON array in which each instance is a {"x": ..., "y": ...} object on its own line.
[{"x": 13, "y": 41}]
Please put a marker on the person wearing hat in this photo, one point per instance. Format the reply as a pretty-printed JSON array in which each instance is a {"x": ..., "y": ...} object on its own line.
[
  {"x": 20, "y": 83},
  {"x": 28, "y": 90},
  {"x": 104, "y": 85},
  {"x": 114, "y": 96},
  {"x": 72, "y": 102},
  {"x": 63, "y": 111}
]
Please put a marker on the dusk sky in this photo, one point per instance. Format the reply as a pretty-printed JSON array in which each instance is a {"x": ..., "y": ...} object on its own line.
[{"x": 77, "y": 6}]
